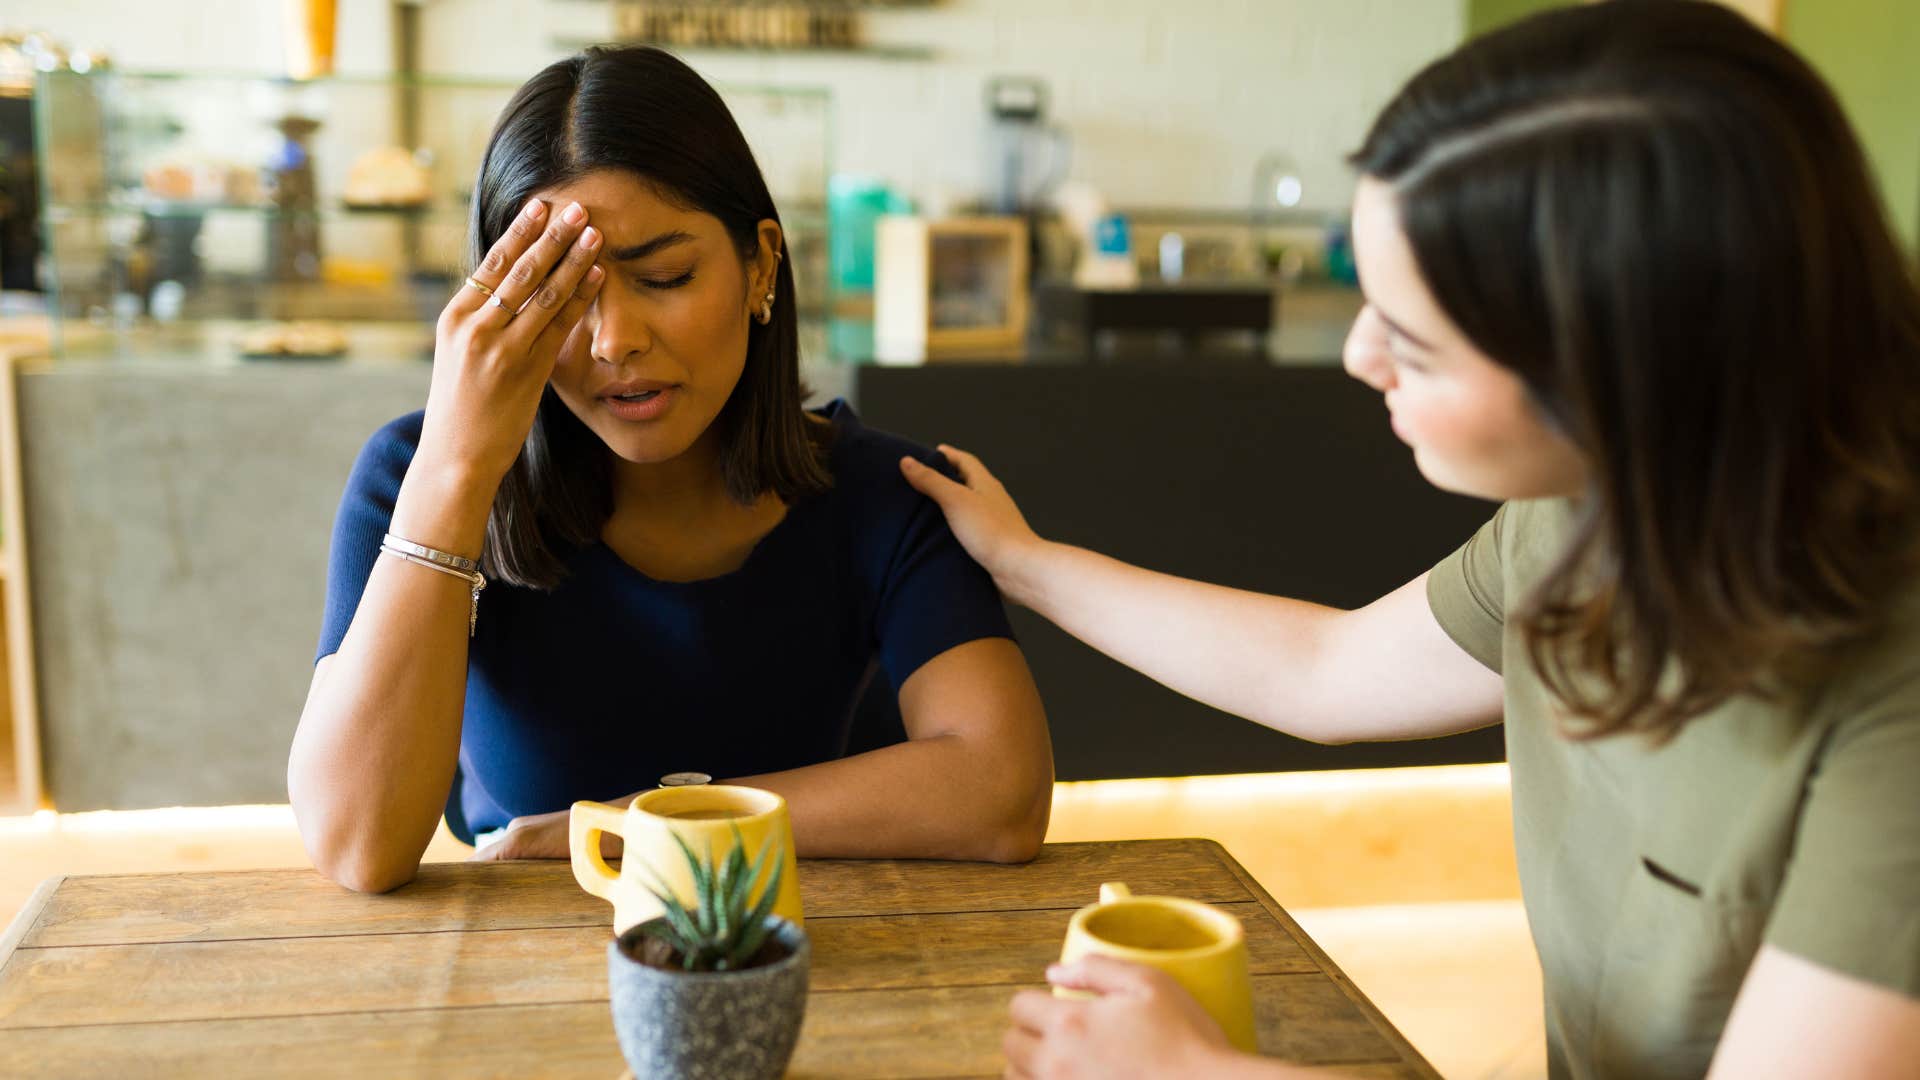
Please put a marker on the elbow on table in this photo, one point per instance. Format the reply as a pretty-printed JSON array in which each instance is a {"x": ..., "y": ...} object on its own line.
[
  {"x": 1017, "y": 845},
  {"x": 348, "y": 849},
  {"x": 363, "y": 876},
  {"x": 1019, "y": 838},
  {"x": 352, "y": 865}
]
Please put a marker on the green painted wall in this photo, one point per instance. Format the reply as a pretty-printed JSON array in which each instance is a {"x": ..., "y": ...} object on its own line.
[
  {"x": 1484, "y": 15},
  {"x": 1868, "y": 50}
]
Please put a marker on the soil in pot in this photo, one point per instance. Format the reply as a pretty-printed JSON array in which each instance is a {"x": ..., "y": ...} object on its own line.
[{"x": 655, "y": 953}]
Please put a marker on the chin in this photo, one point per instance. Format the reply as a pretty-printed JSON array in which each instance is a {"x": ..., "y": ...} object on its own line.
[
  {"x": 646, "y": 451},
  {"x": 645, "y": 445},
  {"x": 1452, "y": 480},
  {"x": 1496, "y": 486}
]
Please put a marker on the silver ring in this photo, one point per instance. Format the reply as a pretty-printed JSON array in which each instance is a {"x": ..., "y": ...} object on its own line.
[{"x": 494, "y": 299}]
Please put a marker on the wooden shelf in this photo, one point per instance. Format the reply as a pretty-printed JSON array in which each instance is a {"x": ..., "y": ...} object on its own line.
[
  {"x": 11, "y": 802},
  {"x": 573, "y": 43},
  {"x": 20, "y": 779}
]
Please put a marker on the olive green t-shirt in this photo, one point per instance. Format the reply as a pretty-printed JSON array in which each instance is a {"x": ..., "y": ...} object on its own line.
[{"x": 1652, "y": 876}]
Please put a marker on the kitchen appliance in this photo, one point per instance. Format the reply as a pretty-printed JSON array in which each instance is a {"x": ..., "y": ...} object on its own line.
[{"x": 1026, "y": 156}]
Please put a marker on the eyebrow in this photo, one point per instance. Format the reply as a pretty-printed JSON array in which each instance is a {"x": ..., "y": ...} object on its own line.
[
  {"x": 650, "y": 247},
  {"x": 1398, "y": 329}
]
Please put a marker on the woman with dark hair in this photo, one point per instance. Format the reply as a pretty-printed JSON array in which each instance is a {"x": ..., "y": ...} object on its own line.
[
  {"x": 1626, "y": 272},
  {"x": 618, "y": 547}
]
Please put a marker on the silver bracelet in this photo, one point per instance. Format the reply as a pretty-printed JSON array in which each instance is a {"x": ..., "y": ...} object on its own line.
[
  {"x": 472, "y": 578},
  {"x": 444, "y": 558}
]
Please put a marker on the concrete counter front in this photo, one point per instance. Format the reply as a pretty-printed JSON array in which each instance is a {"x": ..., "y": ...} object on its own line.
[{"x": 178, "y": 521}]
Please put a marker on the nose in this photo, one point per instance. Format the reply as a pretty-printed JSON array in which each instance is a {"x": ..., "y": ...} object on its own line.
[
  {"x": 1365, "y": 356},
  {"x": 620, "y": 331}
]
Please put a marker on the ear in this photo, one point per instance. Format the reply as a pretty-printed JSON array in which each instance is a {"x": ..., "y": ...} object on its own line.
[{"x": 765, "y": 268}]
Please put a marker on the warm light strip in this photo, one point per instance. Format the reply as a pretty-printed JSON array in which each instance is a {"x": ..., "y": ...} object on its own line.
[
  {"x": 1228, "y": 789},
  {"x": 163, "y": 820},
  {"x": 1343, "y": 782}
]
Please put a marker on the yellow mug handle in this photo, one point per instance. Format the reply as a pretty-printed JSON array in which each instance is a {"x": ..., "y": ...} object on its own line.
[
  {"x": 584, "y": 826},
  {"x": 1109, "y": 892}
]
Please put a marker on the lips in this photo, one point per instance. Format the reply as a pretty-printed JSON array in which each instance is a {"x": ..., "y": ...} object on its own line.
[
  {"x": 639, "y": 402},
  {"x": 633, "y": 387}
]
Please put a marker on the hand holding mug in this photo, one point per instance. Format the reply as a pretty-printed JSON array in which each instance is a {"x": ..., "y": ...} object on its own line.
[{"x": 1140, "y": 1023}]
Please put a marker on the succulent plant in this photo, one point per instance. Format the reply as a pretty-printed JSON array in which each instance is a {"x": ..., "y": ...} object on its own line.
[{"x": 723, "y": 929}]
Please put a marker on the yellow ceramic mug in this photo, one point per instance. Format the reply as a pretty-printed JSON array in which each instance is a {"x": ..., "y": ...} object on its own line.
[
  {"x": 1203, "y": 948},
  {"x": 705, "y": 817}
]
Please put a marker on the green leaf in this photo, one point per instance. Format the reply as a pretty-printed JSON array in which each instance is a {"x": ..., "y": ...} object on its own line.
[
  {"x": 758, "y": 926},
  {"x": 751, "y": 941},
  {"x": 743, "y": 876},
  {"x": 702, "y": 883},
  {"x": 727, "y": 909},
  {"x": 657, "y": 888},
  {"x": 724, "y": 926},
  {"x": 773, "y": 883},
  {"x": 674, "y": 941},
  {"x": 682, "y": 921},
  {"x": 670, "y": 907},
  {"x": 737, "y": 858}
]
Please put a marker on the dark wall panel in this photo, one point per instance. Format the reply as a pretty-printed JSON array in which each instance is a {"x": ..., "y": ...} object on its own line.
[{"x": 1284, "y": 480}]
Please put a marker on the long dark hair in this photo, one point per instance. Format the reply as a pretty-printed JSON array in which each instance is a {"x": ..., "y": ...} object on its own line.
[
  {"x": 642, "y": 111},
  {"x": 1658, "y": 218}
]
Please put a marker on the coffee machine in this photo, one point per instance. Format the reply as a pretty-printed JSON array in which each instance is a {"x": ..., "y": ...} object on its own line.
[{"x": 1026, "y": 156}]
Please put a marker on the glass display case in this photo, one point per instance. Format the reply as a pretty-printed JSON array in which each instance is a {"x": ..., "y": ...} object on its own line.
[{"x": 204, "y": 218}]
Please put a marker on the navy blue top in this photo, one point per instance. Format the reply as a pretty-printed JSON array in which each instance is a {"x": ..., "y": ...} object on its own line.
[{"x": 598, "y": 688}]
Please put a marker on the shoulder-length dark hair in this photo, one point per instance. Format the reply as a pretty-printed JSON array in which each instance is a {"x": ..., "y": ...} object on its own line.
[
  {"x": 644, "y": 112},
  {"x": 1658, "y": 218}
]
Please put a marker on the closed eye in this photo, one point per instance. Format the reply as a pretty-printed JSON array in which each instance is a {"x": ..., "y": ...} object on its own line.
[{"x": 666, "y": 283}]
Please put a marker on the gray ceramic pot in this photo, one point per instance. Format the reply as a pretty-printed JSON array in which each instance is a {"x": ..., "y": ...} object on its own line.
[{"x": 725, "y": 1025}]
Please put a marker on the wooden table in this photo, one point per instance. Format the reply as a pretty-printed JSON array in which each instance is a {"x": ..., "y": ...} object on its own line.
[{"x": 500, "y": 969}]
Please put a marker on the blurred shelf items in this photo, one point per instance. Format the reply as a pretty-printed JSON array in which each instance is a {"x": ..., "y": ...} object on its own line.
[
  {"x": 208, "y": 218},
  {"x": 829, "y": 26}
]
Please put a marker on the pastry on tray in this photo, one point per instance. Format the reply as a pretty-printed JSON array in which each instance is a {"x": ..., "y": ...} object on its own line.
[
  {"x": 306, "y": 340},
  {"x": 388, "y": 178}
]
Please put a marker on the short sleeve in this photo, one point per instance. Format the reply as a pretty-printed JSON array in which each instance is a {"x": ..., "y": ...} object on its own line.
[
  {"x": 932, "y": 595},
  {"x": 366, "y": 507},
  {"x": 1851, "y": 898},
  {"x": 1467, "y": 593}
]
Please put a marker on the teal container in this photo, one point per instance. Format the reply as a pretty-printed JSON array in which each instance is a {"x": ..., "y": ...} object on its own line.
[{"x": 854, "y": 207}]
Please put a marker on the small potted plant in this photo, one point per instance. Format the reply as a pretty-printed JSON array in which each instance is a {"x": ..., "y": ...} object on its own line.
[{"x": 716, "y": 989}]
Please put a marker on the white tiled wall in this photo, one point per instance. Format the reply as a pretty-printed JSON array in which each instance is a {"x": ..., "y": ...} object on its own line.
[{"x": 1170, "y": 102}]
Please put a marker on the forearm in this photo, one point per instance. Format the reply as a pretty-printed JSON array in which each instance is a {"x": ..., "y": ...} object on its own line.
[
  {"x": 374, "y": 755},
  {"x": 1244, "y": 653},
  {"x": 931, "y": 798}
]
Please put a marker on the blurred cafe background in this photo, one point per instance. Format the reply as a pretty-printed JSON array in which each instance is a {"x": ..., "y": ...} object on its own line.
[{"x": 1102, "y": 243}]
